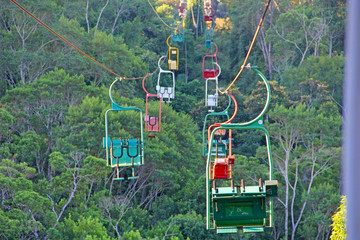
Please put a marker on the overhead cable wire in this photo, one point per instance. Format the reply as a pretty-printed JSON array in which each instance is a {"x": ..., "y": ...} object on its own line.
[
  {"x": 193, "y": 18},
  {"x": 158, "y": 15},
  {"x": 73, "y": 46},
  {"x": 250, "y": 48}
]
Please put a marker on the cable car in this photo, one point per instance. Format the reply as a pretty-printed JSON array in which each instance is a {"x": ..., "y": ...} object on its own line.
[
  {"x": 209, "y": 13},
  {"x": 168, "y": 91},
  {"x": 210, "y": 71},
  {"x": 231, "y": 207},
  {"x": 211, "y": 100},
  {"x": 182, "y": 8},
  {"x": 123, "y": 152},
  {"x": 152, "y": 124},
  {"x": 222, "y": 113},
  {"x": 209, "y": 36},
  {"x": 177, "y": 33},
  {"x": 173, "y": 56}
]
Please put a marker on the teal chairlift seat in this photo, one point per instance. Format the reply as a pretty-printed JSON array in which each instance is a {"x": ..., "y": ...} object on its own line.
[
  {"x": 121, "y": 153},
  {"x": 209, "y": 36},
  {"x": 178, "y": 31},
  {"x": 234, "y": 207}
]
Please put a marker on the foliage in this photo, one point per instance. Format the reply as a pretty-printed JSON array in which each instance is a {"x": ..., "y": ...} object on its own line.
[
  {"x": 339, "y": 226},
  {"x": 54, "y": 182}
]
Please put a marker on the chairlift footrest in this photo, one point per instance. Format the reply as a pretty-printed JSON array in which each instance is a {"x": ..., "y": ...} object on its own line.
[
  {"x": 226, "y": 230},
  {"x": 119, "y": 179},
  {"x": 250, "y": 229}
]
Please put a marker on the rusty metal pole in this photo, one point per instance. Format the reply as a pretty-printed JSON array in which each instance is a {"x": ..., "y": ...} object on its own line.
[{"x": 351, "y": 134}]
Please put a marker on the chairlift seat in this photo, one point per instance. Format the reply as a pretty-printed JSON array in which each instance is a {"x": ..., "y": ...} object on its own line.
[
  {"x": 221, "y": 168},
  {"x": 210, "y": 73},
  {"x": 219, "y": 150},
  {"x": 126, "y": 150},
  {"x": 209, "y": 18},
  {"x": 165, "y": 92},
  {"x": 173, "y": 58},
  {"x": 235, "y": 209},
  {"x": 153, "y": 124},
  {"x": 179, "y": 37},
  {"x": 212, "y": 100}
]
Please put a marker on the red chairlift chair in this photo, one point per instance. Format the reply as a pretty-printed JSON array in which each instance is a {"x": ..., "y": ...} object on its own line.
[
  {"x": 152, "y": 124},
  {"x": 210, "y": 72}
]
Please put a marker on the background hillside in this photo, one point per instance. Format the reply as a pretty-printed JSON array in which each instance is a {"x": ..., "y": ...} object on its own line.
[{"x": 54, "y": 182}]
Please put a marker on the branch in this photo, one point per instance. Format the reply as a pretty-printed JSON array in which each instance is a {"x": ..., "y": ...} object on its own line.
[
  {"x": 121, "y": 10},
  {"x": 35, "y": 232},
  {"x": 53, "y": 205},
  {"x": 101, "y": 12},
  {"x": 166, "y": 233},
  {"x": 87, "y": 16},
  {"x": 281, "y": 202}
]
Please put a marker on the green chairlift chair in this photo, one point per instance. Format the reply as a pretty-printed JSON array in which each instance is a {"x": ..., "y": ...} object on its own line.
[
  {"x": 234, "y": 207},
  {"x": 121, "y": 153}
]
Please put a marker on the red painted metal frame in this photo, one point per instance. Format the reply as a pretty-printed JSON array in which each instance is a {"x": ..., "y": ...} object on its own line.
[
  {"x": 210, "y": 73},
  {"x": 149, "y": 127},
  {"x": 219, "y": 171},
  {"x": 209, "y": 13}
]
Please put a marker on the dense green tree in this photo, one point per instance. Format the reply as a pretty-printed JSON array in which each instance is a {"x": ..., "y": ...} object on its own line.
[
  {"x": 323, "y": 71},
  {"x": 54, "y": 182},
  {"x": 84, "y": 228},
  {"x": 301, "y": 156}
]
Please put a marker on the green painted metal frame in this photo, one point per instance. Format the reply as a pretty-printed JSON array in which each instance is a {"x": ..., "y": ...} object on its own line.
[
  {"x": 222, "y": 113},
  {"x": 257, "y": 124},
  {"x": 116, "y": 107}
]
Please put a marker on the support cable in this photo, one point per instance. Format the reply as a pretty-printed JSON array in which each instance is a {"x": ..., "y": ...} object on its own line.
[
  {"x": 73, "y": 46},
  {"x": 250, "y": 48},
  {"x": 158, "y": 15},
  {"x": 193, "y": 18}
]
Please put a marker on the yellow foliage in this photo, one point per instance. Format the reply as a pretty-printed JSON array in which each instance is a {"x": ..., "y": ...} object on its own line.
[
  {"x": 339, "y": 228},
  {"x": 223, "y": 24}
]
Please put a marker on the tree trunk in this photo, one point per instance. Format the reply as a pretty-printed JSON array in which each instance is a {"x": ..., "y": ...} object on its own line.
[
  {"x": 87, "y": 16},
  {"x": 186, "y": 67},
  {"x": 100, "y": 14},
  {"x": 287, "y": 156}
]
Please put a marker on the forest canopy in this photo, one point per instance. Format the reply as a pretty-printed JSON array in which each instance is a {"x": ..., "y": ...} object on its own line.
[{"x": 54, "y": 180}]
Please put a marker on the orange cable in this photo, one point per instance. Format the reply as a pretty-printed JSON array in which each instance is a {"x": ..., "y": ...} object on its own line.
[
  {"x": 66, "y": 41},
  {"x": 250, "y": 48}
]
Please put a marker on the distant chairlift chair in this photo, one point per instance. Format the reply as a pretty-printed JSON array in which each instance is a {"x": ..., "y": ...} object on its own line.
[
  {"x": 207, "y": 60},
  {"x": 209, "y": 13},
  {"x": 225, "y": 112},
  {"x": 152, "y": 124},
  {"x": 211, "y": 100},
  {"x": 173, "y": 56},
  {"x": 162, "y": 91},
  {"x": 209, "y": 36}
]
